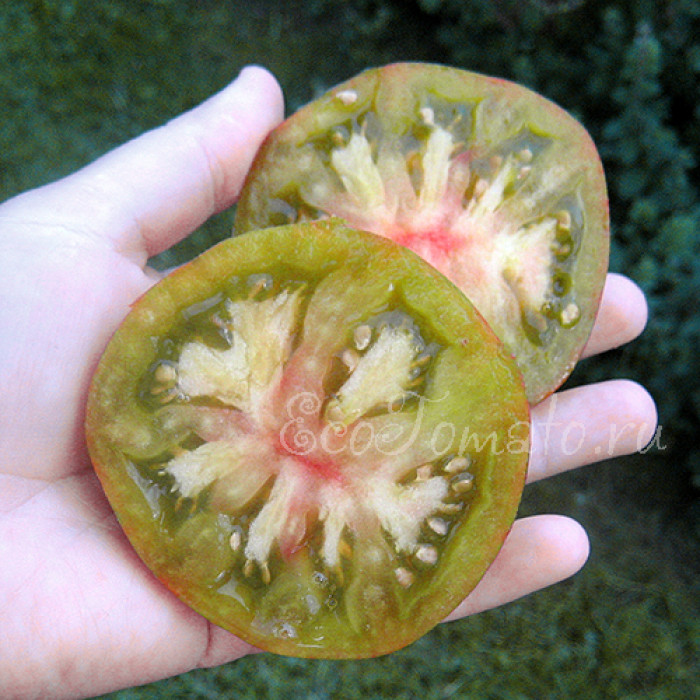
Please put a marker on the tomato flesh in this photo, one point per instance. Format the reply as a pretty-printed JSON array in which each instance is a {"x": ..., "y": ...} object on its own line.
[
  {"x": 312, "y": 438},
  {"x": 495, "y": 186}
]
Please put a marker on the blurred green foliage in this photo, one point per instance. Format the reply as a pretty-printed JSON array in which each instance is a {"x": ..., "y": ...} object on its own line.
[{"x": 79, "y": 77}]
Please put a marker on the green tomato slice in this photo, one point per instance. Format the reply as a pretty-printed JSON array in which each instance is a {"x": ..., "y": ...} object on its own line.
[
  {"x": 312, "y": 438},
  {"x": 495, "y": 186}
]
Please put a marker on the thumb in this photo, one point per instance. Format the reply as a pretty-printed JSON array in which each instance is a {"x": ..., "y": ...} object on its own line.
[{"x": 151, "y": 192}]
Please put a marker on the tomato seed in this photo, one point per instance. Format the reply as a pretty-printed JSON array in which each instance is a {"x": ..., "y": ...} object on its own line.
[
  {"x": 570, "y": 314},
  {"x": 563, "y": 250},
  {"x": 347, "y": 97},
  {"x": 256, "y": 288},
  {"x": 438, "y": 526},
  {"x": 334, "y": 412},
  {"x": 450, "y": 508},
  {"x": 416, "y": 381},
  {"x": 424, "y": 473},
  {"x": 235, "y": 540},
  {"x": 421, "y": 360},
  {"x": 362, "y": 337},
  {"x": 563, "y": 220},
  {"x": 350, "y": 358},
  {"x": 535, "y": 320},
  {"x": 458, "y": 464},
  {"x": 338, "y": 138},
  {"x": 165, "y": 374},
  {"x": 427, "y": 554},
  {"x": 463, "y": 483},
  {"x": 404, "y": 576}
]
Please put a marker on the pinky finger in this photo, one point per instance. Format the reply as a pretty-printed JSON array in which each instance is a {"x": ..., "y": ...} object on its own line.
[{"x": 539, "y": 551}]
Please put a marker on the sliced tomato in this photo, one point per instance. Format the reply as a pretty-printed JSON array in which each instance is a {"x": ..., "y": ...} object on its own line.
[
  {"x": 495, "y": 186},
  {"x": 312, "y": 438}
]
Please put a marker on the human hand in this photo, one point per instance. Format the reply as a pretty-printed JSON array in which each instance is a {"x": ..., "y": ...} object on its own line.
[{"x": 79, "y": 613}]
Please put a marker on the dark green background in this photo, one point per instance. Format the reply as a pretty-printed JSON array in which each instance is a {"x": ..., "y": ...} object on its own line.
[{"x": 79, "y": 77}]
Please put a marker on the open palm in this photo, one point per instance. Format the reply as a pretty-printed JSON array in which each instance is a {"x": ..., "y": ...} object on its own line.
[{"x": 79, "y": 613}]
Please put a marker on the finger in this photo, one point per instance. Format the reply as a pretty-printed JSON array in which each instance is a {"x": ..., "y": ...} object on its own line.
[
  {"x": 539, "y": 551},
  {"x": 588, "y": 424},
  {"x": 223, "y": 647},
  {"x": 153, "y": 191},
  {"x": 169, "y": 181},
  {"x": 621, "y": 318}
]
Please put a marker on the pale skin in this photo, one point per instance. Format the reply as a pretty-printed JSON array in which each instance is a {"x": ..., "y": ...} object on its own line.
[{"x": 79, "y": 613}]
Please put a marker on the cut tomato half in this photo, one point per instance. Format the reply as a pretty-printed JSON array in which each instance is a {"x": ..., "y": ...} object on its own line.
[
  {"x": 495, "y": 186},
  {"x": 312, "y": 438}
]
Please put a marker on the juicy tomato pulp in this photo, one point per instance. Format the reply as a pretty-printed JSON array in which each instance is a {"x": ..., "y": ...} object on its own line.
[
  {"x": 492, "y": 184},
  {"x": 312, "y": 438}
]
